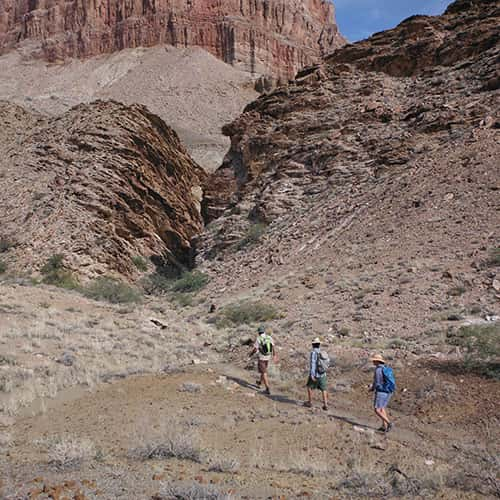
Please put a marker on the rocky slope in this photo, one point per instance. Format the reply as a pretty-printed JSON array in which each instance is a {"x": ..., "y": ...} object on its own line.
[
  {"x": 196, "y": 100},
  {"x": 101, "y": 184},
  {"x": 271, "y": 37},
  {"x": 377, "y": 192}
]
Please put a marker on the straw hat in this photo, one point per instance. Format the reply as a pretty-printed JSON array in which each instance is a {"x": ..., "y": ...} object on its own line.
[
  {"x": 316, "y": 341},
  {"x": 378, "y": 358}
]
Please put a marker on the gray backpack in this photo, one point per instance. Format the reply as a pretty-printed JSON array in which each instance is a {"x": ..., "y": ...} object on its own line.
[{"x": 323, "y": 363}]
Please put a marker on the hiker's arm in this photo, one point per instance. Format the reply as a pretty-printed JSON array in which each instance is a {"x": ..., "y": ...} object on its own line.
[
  {"x": 275, "y": 354},
  {"x": 314, "y": 359},
  {"x": 254, "y": 350}
]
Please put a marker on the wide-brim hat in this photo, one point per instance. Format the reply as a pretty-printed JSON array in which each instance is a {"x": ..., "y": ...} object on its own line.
[
  {"x": 378, "y": 358},
  {"x": 261, "y": 330},
  {"x": 316, "y": 341}
]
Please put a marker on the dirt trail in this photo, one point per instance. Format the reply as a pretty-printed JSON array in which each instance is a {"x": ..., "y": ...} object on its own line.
[{"x": 250, "y": 444}]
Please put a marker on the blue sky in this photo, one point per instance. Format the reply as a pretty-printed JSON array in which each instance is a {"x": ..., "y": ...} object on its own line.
[{"x": 358, "y": 19}]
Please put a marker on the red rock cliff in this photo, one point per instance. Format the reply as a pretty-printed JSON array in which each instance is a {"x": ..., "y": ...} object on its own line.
[{"x": 263, "y": 36}]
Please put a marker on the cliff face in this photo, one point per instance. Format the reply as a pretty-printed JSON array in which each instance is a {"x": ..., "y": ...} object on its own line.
[
  {"x": 100, "y": 184},
  {"x": 262, "y": 36}
]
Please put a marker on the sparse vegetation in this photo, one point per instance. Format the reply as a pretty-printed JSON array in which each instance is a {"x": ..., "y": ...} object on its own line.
[
  {"x": 3, "y": 267},
  {"x": 140, "y": 263},
  {"x": 494, "y": 258},
  {"x": 55, "y": 273},
  {"x": 456, "y": 291},
  {"x": 70, "y": 452},
  {"x": 253, "y": 235},
  {"x": 481, "y": 345},
  {"x": 182, "y": 299},
  {"x": 224, "y": 465},
  {"x": 176, "y": 445},
  {"x": 190, "y": 282},
  {"x": 5, "y": 244},
  {"x": 190, "y": 387},
  {"x": 193, "y": 491},
  {"x": 246, "y": 312},
  {"x": 112, "y": 290}
]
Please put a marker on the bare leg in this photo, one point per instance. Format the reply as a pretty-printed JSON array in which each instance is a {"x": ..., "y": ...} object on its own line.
[
  {"x": 309, "y": 395},
  {"x": 384, "y": 412},
  {"x": 265, "y": 380},
  {"x": 380, "y": 412},
  {"x": 325, "y": 398}
]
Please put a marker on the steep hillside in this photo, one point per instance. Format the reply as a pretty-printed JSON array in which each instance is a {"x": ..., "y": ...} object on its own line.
[
  {"x": 270, "y": 37},
  {"x": 195, "y": 93},
  {"x": 377, "y": 194},
  {"x": 101, "y": 184}
]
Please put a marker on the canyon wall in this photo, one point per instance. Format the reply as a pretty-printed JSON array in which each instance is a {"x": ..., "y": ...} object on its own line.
[{"x": 262, "y": 36}]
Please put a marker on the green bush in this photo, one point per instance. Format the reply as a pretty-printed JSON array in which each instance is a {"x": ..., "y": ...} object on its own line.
[
  {"x": 111, "y": 290},
  {"x": 54, "y": 273},
  {"x": 140, "y": 263},
  {"x": 252, "y": 236},
  {"x": 246, "y": 312},
  {"x": 3, "y": 267},
  {"x": 190, "y": 282}
]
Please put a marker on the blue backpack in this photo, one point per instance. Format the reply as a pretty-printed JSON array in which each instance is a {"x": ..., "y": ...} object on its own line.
[{"x": 389, "y": 379}]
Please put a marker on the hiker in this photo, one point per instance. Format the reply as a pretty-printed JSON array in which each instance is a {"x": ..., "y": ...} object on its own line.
[
  {"x": 264, "y": 345},
  {"x": 318, "y": 365},
  {"x": 383, "y": 386}
]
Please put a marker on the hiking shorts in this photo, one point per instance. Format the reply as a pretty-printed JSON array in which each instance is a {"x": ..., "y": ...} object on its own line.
[
  {"x": 262, "y": 366},
  {"x": 381, "y": 399},
  {"x": 318, "y": 384}
]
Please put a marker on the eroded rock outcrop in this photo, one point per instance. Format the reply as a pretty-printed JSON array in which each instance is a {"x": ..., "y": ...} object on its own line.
[
  {"x": 272, "y": 37},
  {"x": 100, "y": 184},
  {"x": 359, "y": 117}
]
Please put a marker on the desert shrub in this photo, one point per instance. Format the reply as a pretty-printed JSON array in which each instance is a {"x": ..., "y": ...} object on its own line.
[
  {"x": 174, "y": 445},
  {"x": 189, "y": 387},
  {"x": 5, "y": 244},
  {"x": 224, "y": 464},
  {"x": 481, "y": 345},
  {"x": 182, "y": 299},
  {"x": 456, "y": 291},
  {"x": 140, "y": 263},
  {"x": 54, "y": 273},
  {"x": 111, "y": 290},
  {"x": 192, "y": 491},
  {"x": 190, "y": 282},
  {"x": 252, "y": 236},
  {"x": 70, "y": 452},
  {"x": 3, "y": 267},
  {"x": 246, "y": 312},
  {"x": 494, "y": 258}
]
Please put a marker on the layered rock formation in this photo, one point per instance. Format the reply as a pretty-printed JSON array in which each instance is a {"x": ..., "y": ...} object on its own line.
[
  {"x": 355, "y": 182},
  {"x": 100, "y": 184},
  {"x": 273, "y": 37}
]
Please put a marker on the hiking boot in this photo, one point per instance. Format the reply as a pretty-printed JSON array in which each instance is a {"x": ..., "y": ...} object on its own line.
[
  {"x": 267, "y": 392},
  {"x": 381, "y": 429},
  {"x": 258, "y": 383},
  {"x": 389, "y": 428},
  {"x": 325, "y": 407},
  {"x": 308, "y": 405}
]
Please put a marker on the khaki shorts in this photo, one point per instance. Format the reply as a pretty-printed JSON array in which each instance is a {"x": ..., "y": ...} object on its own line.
[{"x": 262, "y": 366}]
